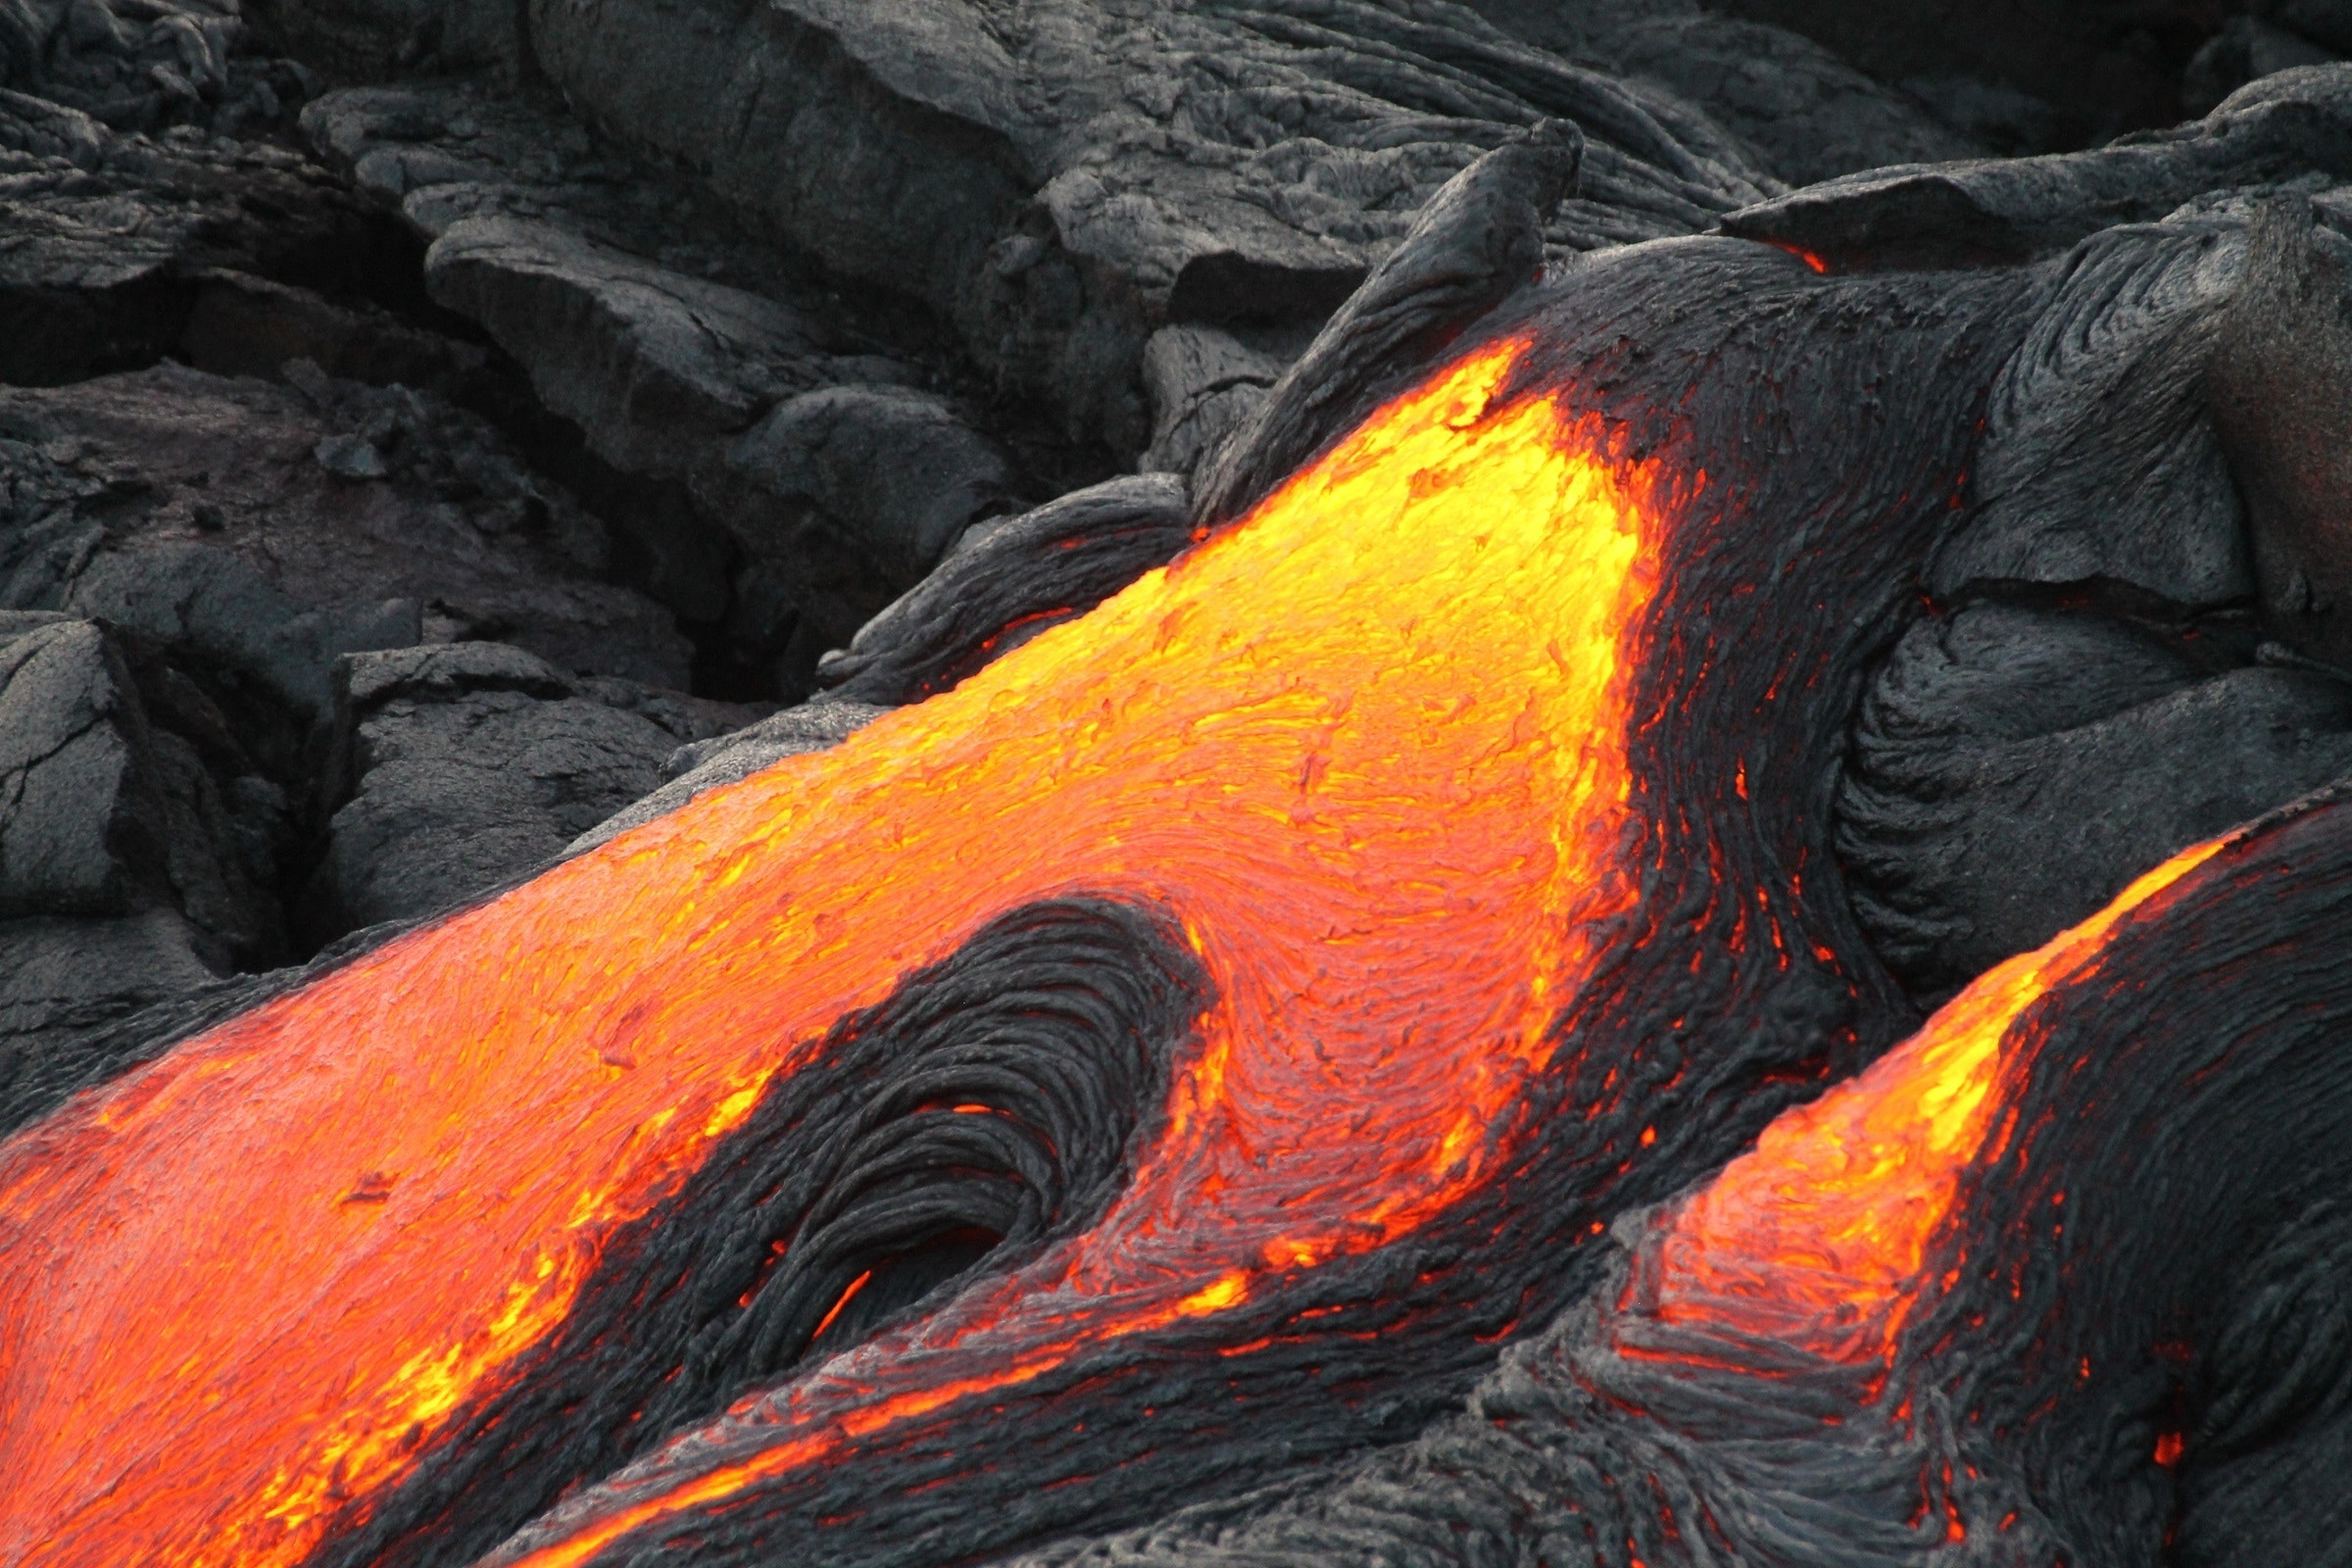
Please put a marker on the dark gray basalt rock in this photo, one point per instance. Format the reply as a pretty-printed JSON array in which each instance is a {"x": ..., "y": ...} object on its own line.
[
  {"x": 1005, "y": 582},
  {"x": 64, "y": 980},
  {"x": 135, "y": 859},
  {"x": 145, "y": 66},
  {"x": 654, "y": 366},
  {"x": 2281, "y": 384},
  {"x": 1203, "y": 382},
  {"x": 1809, "y": 114},
  {"x": 2246, "y": 49},
  {"x": 455, "y": 770},
  {"x": 2014, "y": 768},
  {"x": 646, "y": 321},
  {"x": 1061, "y": 180},
  {"x": 898, "y": 471},
  {"x": 2100, "y": 459},
  {"x": 274, "y": 527},
  {"x": 107, "y": 241},
  {"x": 2291, "y": 125}
]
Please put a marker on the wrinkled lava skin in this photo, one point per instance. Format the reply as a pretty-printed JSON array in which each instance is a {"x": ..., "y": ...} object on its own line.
[
  {"x": 1473, "y": 791},
  {"x": 2061, "y": 1277}
]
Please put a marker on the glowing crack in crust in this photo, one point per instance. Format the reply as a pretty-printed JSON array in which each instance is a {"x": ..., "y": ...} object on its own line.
[{"x": 1369, "y": 745}]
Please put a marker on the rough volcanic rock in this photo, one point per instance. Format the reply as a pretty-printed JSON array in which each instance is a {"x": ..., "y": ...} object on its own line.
[
  {"x": 1203, "y": 382},
  {"x": 1005, "y": 581},
  {"x": 2292, "y": 126},
  {"x": 2014, "y": 768},
  {"x": 457, "y": 768},
  {"x": 272, "y": 527},
  {"x": 1808, "y": 113},
  {"x": 147, "y": 63},
  {"x": 1059, "y": 180},
  {"x": 652, "y": 364},
  {"x": 896, "y": 467},
  {"x": 2088, "y": 69},
  {"x": 107, "y": 241},
  {"x": 131, "y": 870},
  {"x": 2281, "y": 384},
  {"x": 645, "y": 319},
  {"x": 2100, "y": 459},
  {"x": 65, "y": 767}
]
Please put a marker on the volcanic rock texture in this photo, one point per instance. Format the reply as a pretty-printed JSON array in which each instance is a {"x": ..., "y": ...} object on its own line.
[{"x": 1246, "y": 781}]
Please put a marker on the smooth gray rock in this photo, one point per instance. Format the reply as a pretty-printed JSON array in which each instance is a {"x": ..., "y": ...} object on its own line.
[
  {"x": 212, "y": 604},
  {"x": 438, "y": 674}
]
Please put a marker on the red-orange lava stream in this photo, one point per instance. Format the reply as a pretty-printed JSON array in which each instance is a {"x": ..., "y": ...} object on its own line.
[
  {"x": 1817, "y": 1237},
  {"x": 1369, "y": 746}
]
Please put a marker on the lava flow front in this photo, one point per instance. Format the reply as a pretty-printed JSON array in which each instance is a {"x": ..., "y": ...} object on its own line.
[{"x": 1368, "y": 748}]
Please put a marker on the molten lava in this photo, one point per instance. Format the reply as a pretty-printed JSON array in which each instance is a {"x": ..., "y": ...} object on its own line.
[
  {"x": 1369, "y": 747},
  {"x": 1817, "y": 1237}
]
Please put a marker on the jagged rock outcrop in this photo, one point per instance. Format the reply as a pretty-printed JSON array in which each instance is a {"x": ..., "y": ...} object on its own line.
[{"x": 455, "y": 769}]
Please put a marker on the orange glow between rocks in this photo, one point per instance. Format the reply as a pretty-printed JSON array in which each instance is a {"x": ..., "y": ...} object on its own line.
[
  {"x": 1818, "y": 1236},
  {"x": 1368, "y": 744}
]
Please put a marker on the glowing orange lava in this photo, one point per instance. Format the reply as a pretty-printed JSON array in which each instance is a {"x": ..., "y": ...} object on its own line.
[
  {"x": 1369, "y": 746},
  {"x": 1817, "y": 1236}
]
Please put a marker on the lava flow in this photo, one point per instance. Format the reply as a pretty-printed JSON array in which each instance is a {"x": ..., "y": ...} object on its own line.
[
  {"x": 1369, "y": 748},
  {"x": 1818, "y": 1237}
]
